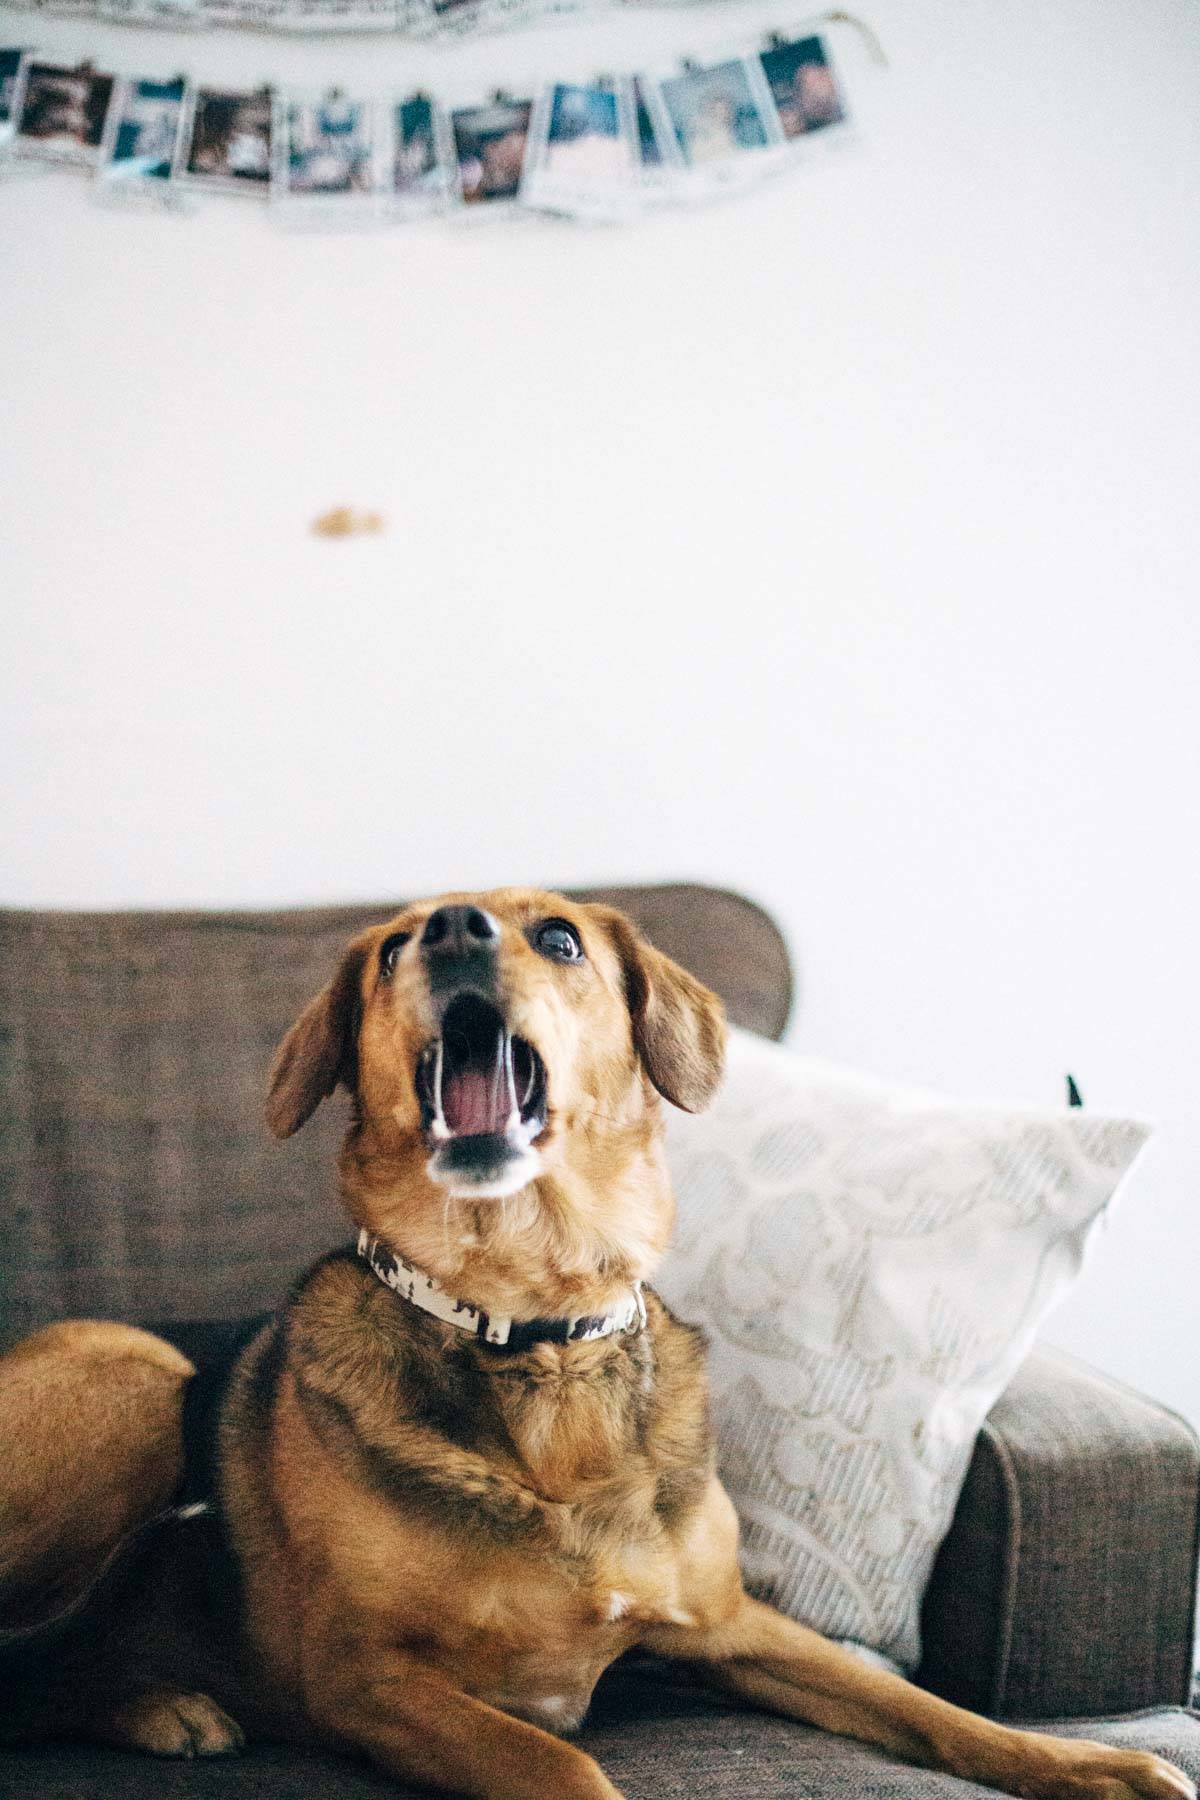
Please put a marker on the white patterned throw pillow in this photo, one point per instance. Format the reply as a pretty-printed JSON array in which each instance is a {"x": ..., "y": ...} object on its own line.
[{"x": 872, "y": 1265}]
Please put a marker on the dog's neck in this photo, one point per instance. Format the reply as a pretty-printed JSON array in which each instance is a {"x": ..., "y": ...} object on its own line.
[
  {"x": 573, "y": 1242},
  {"x": 421, "y": 1290}
]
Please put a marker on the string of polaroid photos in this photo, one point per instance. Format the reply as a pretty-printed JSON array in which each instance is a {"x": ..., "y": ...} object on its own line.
[{"x": 599, "y": 150}]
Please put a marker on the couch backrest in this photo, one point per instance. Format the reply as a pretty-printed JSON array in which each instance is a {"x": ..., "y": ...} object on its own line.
[{"x": 137, "y": 1179}]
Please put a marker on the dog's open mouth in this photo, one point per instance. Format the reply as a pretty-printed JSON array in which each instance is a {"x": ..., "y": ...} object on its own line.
[{"x": 483, "y": 1101}]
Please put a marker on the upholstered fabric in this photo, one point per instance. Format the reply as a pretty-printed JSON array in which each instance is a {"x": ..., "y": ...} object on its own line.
[
  {"x": 871, "y": 1265},
  {"x": 1067, "y": 1582},
  {"x": 657, "y": 1737},
  {"x": 136, "y": 1175}
]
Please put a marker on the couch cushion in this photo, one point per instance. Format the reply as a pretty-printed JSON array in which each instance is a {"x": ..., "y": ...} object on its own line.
[
  {"x": 871, "y": 1265},
  {"x": 657, "y": 1737},
  {"x": 137, "y": 1174}
]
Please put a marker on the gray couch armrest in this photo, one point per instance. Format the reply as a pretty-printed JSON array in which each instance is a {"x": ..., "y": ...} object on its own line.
[{"x": 1067, "y": 1582}]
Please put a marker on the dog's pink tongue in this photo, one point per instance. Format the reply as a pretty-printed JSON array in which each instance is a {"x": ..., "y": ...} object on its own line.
[{"x": 473, "y": 1102}]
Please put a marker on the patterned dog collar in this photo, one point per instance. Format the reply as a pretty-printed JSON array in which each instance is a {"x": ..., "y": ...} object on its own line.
[{"x": 495, "y": 1329}]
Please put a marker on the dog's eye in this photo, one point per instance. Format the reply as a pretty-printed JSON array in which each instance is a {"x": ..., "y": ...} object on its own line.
[
  {"x": 389, "y": 951},
  {"x": 559, "y": 941}
]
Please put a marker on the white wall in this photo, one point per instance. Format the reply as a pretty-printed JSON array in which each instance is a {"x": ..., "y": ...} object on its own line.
[{"x": 840, "y": 544}]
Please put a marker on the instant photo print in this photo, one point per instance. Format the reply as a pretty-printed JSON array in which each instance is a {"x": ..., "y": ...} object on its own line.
[
  {"x": 719, "y": 123},
  {"x": 803, "y": 86},
  {"x": 141, "y": 143},
  {"x": 227, "y": 141},
  {"x": 420, "y": 160},
  {"x": 60, "y": 112},
  {"x": 489, "y": 149},
  {"x": 653, "y": 165},
  {"x": 327, "y": 163},
  {"x": 581, "y": 158},
  {"x": 10, "y": 72}
]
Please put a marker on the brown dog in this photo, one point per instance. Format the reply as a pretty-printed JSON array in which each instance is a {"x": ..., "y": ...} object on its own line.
[{"x": 470, "y": 1465}]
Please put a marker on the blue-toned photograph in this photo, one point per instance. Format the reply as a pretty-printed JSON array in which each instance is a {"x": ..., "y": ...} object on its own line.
[
  {"x": 329, "y": 147},
  {"x": 583, "y": 137},
  {"x": 416, "y": 165},
  {"x": 10, "y": 63},
  {"x": 802, "y": 86},
  {"x": 147, "y": 131},
  {"x": 714, "y": 113},
  {"x": 648, "y": 147}
]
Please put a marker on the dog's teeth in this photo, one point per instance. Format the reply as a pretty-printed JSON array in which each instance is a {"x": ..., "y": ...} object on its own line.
[
  {"x": 440, "y": 1128},
  {"x": 506, "y": 1062}
]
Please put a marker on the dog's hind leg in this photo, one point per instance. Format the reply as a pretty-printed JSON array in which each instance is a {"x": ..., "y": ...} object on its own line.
[
  {"x": 165, "y": 1722},
  {"x": 90, "y": 1448}
]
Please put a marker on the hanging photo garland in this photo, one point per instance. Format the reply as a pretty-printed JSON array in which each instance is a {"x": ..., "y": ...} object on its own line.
[{"x": 602, "y": 150}]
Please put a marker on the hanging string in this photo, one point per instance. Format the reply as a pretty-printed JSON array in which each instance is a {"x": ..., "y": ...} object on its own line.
[{"x": 868, "y": 35}]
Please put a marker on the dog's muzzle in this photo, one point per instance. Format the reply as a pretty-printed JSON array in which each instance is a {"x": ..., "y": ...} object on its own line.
[{"x": 483, "y": 1101}]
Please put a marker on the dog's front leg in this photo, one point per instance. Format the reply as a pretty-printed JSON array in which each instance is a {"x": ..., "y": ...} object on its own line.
[
  {"x": 413, "y": 1722},
  {"x": 771, "y": 1660}
]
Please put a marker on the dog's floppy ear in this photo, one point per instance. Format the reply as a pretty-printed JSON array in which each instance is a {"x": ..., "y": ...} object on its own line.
[
  {"x": 319, "y": 1050},
  {"x": 678, "y": 1024}
]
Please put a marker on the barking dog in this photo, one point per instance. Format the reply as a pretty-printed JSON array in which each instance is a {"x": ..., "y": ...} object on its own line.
[{"x": 469, "y": 1463}]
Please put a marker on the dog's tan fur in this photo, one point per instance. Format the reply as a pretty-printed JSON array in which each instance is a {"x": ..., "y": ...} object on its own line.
[{"x": 440, "y": 1550}]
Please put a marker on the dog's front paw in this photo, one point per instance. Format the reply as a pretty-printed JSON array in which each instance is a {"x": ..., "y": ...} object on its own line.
[
  {"x": 1098, "y": 1772},
  {"x": 166, "y": 1722}
]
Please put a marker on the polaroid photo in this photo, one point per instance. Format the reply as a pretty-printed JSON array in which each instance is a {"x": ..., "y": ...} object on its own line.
[
  {"x": 226, "y": 141},
  {"x": 581, "y": 159},
  {"x": 720, "y": 124},
  {"x": 422, "y": 170},
  {"x": 327, "y": 159},
  {"x": 10, "y": 75},
  {"x": 60, "y": 113},
  {"x": 489, "y": 150},
  {"x": 654, "y": 164},
  {"x": 805, "y": 91},
  {"x": 141, "y": 141}
]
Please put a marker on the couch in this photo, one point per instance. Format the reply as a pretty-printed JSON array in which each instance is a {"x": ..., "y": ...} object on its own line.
[{"x": 137, "y": 1182}]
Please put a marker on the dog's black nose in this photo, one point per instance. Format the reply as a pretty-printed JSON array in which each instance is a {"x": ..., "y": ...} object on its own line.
[{"x": 457, "y": 930}]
